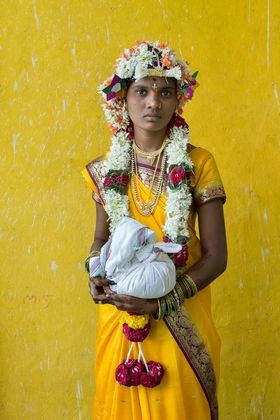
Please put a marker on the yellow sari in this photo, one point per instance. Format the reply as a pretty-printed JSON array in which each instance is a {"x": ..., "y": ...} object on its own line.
[{"x": 186, "y": 343}]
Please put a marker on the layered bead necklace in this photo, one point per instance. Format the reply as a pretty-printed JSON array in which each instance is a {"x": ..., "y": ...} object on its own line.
[{"x": 148, "y": 208}]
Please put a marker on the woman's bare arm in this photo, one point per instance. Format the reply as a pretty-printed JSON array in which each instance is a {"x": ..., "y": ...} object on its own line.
[
  {"x": 213, "y": 244},
  {"x": 101, "y": 234}
]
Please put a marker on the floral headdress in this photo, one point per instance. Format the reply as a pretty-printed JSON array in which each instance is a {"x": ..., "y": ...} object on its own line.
[
  {"x": 151, "y": 59},
  {"x": 147, "y": 59}
]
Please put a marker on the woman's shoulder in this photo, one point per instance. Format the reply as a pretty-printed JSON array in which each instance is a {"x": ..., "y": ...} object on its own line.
[
  {"x": 98, "y": 165},
  {"x": 198, "y": 153},
  {"x": 94, "y": 173},
  {"x": 204, "y": 163},
  {"x": 100, "y": 160}
]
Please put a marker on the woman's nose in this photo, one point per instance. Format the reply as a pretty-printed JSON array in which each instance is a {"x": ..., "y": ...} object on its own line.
[{"x": 154, "y": 100}]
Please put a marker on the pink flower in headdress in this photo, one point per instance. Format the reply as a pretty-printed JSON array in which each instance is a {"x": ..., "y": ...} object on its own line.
[
  {"x": 115, "y": 88},
  {"x": 191, "y": 79},
  {"x": 166, "y": 61},
  {"x": 189, "y": 93},
  {"x": 162, "y": 45}
]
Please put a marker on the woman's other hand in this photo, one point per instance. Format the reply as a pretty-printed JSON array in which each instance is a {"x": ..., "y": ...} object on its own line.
[
  {"x": 100, "y": 292},
  {"x": 97, "y": 291},
  {"x": 133, "y": 304}
]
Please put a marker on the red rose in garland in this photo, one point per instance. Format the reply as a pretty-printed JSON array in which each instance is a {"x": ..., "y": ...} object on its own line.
[
  {"x": 136, "y": 335},
  {"x": 177, "y": 175},
  {"x": 134, "y": 372},
  {"x": 117, "y": 180},
  {"x": 180, "y": 258}
]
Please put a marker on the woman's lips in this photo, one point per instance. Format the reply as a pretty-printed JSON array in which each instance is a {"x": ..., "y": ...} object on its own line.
[{"x": 150, "y": 117}]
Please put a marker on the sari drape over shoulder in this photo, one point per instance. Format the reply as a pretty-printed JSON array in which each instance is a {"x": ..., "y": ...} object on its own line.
[{"x": 186, "y": 343}]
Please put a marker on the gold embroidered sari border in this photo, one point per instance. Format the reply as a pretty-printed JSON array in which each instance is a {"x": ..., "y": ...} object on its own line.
[
  {"x": 96, "y": 171},
  {"x": 213, "y": 190},
  {"x": 185, "y": 333}
]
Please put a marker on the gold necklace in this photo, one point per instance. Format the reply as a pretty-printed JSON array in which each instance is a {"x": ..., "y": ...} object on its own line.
[
  {"x": 146, "y": 209},
  {"x": 154, "y": 174},
  {"x": 149, "y": 156}
]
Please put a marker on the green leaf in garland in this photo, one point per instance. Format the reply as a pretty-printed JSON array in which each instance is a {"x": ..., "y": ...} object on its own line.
[
  {"x": 195, "y": 74},
  {"x": 114, "y": 172},
  {"x": 118, "y": 188},
  {"x": 175, "y": 187},
  {"x": 181, "y": 239}
]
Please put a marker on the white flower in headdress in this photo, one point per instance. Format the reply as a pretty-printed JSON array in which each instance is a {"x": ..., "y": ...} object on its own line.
[
  {"x": 174, "y": 72},
  {"x": 141, "y": 71},
  {"x": 124, "y": 69}
]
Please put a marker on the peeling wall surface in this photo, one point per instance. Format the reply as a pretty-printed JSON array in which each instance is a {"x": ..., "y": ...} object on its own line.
[{"x": 53, "y": 56}]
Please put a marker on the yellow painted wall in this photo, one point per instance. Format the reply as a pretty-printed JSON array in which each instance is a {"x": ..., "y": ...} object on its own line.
[{"x": 53, "y": 55}]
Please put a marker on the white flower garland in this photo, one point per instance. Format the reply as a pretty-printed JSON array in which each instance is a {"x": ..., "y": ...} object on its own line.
[{"x": 178, "y": 200}]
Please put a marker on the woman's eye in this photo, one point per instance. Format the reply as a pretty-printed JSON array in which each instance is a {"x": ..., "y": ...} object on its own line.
[
  {"x": 141, "y": 92},
  {"x": 166, "y": 93}
]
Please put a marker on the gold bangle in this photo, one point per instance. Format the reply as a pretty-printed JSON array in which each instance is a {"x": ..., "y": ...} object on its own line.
[
  {"x": 180, "y": 293},
  {"x": 168, "y": 304},
  {"x": 176, "y": 296},
  {"x": 162, "y": 302},
  {"x": 161, "y": 309},
  {"x": 157, "y": 317},
  {"x": 172, "y": 305},
  {"x": 189, "y": 285},
  {"x": 90, "y": 255}
]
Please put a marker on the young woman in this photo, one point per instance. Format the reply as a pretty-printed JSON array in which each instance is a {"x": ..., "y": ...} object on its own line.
[{"x": 154, "y": 174}]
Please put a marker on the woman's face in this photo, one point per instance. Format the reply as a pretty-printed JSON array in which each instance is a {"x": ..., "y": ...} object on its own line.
[{"x": 151, "y": 102}]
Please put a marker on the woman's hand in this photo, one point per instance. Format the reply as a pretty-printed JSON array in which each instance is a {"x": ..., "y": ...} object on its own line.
[
  {"x": 96, "y": 289},
  {"x": 122, "y": 302},
  {"x": 133, "y": 304}
]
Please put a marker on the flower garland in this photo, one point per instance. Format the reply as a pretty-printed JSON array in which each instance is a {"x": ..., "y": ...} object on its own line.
[
  {"x": 134, "y": 372},
  {"x": 148, "y": 59},
  {"x": 178, "y": 175}
]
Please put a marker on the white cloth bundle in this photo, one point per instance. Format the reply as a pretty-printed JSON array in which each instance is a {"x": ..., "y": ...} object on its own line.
[{"x": 135, "y": 262}]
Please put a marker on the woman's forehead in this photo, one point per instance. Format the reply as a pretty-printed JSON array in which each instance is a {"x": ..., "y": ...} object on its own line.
[{"x": 159, "y": 81}]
